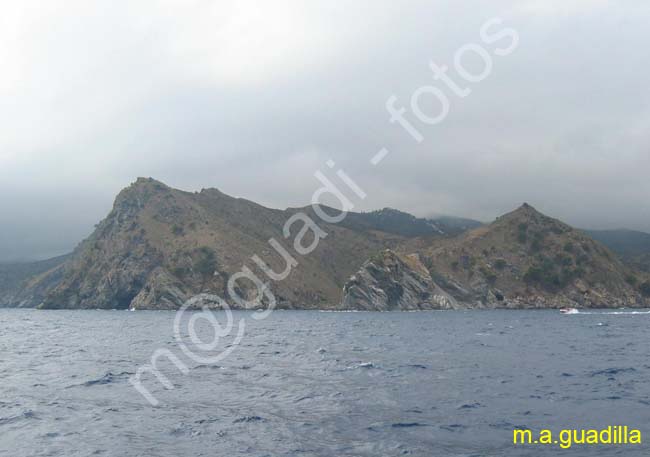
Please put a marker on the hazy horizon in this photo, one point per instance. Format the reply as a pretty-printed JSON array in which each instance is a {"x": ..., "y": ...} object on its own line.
[
  {"x": 254, "y": 98},
  {"x": 431, "y": 215}
]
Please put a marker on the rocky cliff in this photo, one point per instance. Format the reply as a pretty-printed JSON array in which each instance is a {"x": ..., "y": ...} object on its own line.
[
  {"x": 388, "y": 282},
  {"x": 160, "y": 246},
  {"x": 25, "y": 283},
  {"x": 524, "y": 259}
]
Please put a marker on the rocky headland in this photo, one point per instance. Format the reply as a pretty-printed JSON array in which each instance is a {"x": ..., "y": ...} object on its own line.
[{"x": 160, "y": 246}]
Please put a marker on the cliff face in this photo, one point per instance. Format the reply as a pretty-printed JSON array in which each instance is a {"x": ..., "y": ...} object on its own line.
[
  {"x": 524, "y": 259},
  {"x": 388, "y": 282},
  {"x": 160, "y": 246},
  {"x": 23, "y": 284}
]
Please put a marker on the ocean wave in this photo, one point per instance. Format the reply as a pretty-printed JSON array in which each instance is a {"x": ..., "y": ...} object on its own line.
[
  {"x": 25, "y": 415},
  {"x": 612, "y": 371},
  {"x": 108, "y": 378},
  {"x": 408, "y": 425},
  {"x": 247, "y": 419}
]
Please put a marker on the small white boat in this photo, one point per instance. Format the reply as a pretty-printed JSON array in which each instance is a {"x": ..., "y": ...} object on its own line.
[{"x": 569, "y": 311}]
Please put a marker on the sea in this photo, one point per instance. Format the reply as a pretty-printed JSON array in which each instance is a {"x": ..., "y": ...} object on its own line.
[{"x": 309, "y": 383}]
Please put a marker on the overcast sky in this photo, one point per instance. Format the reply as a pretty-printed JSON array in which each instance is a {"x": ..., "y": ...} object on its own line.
[{"x": 253, "y": 97}]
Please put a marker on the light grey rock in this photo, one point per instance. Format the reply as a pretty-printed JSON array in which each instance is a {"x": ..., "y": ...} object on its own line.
[
  {"x": 161, "y": 291},
  {"x": 389, "y": 281}
]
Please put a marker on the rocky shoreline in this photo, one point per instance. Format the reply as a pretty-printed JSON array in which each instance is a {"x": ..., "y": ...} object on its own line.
[{"x": 160, "y": 246}]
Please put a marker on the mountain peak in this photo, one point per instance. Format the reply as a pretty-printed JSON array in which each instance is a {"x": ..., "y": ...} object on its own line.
[
  {"x": 148, "y": 182},
  {"x": 525, "y": 211},
  {"x": 391, "y": 211},
  {"x": 134, "y": 197},
  {"x": 525, "y": 207},
  {"x": 144, "y": 185}
]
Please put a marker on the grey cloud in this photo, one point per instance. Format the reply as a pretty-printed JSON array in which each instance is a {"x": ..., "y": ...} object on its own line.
[{"x": 253, "y": 98}]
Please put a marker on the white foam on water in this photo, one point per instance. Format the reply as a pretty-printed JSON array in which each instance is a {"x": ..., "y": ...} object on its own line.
[{"x": 614, "y": 313}]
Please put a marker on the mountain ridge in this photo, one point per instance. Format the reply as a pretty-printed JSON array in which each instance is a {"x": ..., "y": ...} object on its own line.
[
  {"x": 523, "y": 259},
  {"x": 159, "y": 246}
]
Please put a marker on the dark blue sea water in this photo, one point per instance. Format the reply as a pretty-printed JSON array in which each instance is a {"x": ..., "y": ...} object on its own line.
[{"x": 444, "y": 383}]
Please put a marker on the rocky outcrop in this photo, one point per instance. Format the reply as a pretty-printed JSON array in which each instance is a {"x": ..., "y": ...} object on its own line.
[
  {"x": 31, "y": 292},
  {"x": 160, "y": 246},
  {"x": 522, "y": 260},
  {"x": 388, "y": 282},
  {"x": 161, "y": 291}
]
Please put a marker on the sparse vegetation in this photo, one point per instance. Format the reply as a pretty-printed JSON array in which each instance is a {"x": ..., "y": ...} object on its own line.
[
  {"x": 538, "y": 241},
  {"x": 582, "y": 259},
  {"x": 553, "y": 274},
  {"x": 180, "y": 272},
  {"x": 489, "y": 275},
  {"x": 467, "y": 262},
  {"x": 206, "y": 261},
  {"x": 548, "y": 255},
  {"x": 645, "y": 289},
  {"x": 577, "y": 273},
  {"x": 547, "y": 278},
  {"x": 522, "y": 235},
  {"x": 563, "y": 260},
  {"x": 377, "y": 257}
]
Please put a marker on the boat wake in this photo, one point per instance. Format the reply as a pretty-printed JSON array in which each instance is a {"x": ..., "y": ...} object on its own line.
[{"x": 613, "y": 313}]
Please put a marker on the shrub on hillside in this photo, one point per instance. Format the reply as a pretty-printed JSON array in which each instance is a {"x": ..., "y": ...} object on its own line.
[
  {"x": 645, "y": 289},
  {"x": 552, "y": 274},
  {"x": 522, "y": 234},
  {"x": 206, "y": 262},
  {"x": 489, "y": 275}
]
